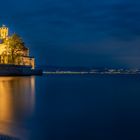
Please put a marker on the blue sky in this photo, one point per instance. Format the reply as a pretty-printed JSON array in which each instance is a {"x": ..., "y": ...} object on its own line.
[{"x": 77, "y": 32}]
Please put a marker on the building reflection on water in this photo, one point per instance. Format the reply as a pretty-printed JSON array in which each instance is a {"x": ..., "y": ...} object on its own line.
[{"x": 17, "y": 100}]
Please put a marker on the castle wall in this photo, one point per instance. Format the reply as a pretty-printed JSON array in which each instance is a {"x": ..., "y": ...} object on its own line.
[{"x": 2, "y": 48}]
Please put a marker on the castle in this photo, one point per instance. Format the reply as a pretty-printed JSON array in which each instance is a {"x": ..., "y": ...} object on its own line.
[{"x": 23, "y": 58}]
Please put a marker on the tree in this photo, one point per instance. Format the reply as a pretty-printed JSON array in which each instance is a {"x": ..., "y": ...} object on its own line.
[{"x": 15, "y": 47}]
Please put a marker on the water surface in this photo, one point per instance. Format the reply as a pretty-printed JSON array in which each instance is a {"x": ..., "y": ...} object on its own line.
[{"x": 71, "y": 107}]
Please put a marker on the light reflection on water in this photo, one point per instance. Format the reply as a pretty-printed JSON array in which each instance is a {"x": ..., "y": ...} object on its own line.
[
  {"x": 70, "y": 107},
  {"x": 17, "y": 100}
]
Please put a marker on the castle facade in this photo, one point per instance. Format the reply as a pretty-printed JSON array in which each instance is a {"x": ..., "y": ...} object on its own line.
[{"x": 23, "y": 58}]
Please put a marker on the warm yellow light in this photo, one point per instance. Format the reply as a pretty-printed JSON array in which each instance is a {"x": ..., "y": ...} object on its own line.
[{"x": 16, "y": 97}]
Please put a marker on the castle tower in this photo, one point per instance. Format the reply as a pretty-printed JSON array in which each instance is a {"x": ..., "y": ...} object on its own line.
[{"x": 3, "y": 32}]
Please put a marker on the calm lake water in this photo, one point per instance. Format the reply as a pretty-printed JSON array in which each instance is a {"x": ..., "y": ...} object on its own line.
[{"x": 71, "y": 107}]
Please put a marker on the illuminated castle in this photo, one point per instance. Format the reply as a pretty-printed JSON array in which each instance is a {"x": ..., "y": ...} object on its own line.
[
  {"x": 3, "y": 32},
  {"x": 5, "y": 57}
]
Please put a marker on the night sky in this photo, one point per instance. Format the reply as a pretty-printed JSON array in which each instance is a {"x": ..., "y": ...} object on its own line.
[{"x": 77, "y": 32}]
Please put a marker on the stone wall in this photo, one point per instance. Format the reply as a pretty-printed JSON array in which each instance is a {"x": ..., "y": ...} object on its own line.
[{"x": 22, "y": 60}]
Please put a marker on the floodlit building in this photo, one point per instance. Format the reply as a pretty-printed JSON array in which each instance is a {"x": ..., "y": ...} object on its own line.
[
  {"x": 23, "y": 57},
  {"x": 3, "y": 32}
]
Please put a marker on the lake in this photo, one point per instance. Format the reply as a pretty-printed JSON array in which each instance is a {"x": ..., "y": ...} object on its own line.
[{"x": 70, "y": 107}]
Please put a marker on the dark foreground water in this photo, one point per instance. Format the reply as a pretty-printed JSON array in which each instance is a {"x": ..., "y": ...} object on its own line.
[{"x": 70, "y": 107}]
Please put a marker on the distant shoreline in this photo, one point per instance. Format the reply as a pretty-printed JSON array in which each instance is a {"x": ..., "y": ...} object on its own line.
[
  {"x": 89, "y": 73},
  {"x": 90, "y": 70}
]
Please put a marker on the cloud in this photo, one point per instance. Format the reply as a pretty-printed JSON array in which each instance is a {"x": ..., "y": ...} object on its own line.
[{"x": 92, "y": 28}]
